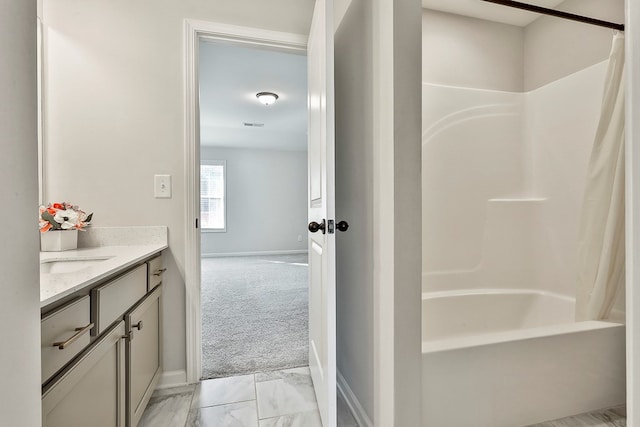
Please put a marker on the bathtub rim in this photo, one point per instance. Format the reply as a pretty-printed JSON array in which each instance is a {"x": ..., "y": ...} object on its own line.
[
  {"x": 493, "y": 291},
  {"x": 491, "y": 338}
]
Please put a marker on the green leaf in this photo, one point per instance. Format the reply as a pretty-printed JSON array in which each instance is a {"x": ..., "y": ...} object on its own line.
[
  {"x": 48, "y": 217},
  {"x": 89, "y": 217}
]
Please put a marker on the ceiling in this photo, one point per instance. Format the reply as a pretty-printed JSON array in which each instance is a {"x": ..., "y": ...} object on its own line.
[
  {"x": 230, "y": 77},
  {"x": 490, "y": 11}
]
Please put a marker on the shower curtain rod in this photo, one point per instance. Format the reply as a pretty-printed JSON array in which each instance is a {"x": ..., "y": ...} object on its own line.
[{"x": 558, "y": 14}]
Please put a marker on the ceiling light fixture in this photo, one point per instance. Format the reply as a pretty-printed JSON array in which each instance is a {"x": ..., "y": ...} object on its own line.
[{"x": 267, "y": 98}]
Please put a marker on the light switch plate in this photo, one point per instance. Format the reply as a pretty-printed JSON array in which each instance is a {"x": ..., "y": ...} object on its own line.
[{"x": 162, "y": 186}]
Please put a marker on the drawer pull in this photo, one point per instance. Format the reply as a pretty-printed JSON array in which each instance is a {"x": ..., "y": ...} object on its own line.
[
  {"x": 79, "y": 332},
  {"x": 138, "y": 325},
  {"x": 159, "y": 272}
]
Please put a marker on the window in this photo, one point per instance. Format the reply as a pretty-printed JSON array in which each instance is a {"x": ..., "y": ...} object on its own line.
[{"x": 213, "y": 195}]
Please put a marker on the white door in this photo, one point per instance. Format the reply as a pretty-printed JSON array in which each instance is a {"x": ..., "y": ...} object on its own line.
[{"x": 322, "y": 262}]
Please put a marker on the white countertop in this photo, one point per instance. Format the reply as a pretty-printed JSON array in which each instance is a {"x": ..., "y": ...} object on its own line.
[{"x": 54, "y": 287}]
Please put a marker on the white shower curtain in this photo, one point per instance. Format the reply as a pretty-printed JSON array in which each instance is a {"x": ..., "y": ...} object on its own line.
[{"x": 601, "y": 263}]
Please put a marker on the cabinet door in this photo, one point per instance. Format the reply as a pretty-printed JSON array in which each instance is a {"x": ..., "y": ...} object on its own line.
[
  {"x": 144, "y": 354},
  {"x": 91, "y": 391}
]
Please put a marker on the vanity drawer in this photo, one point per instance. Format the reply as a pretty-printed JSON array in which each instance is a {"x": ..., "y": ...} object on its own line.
[
  {"x": 111, "y": 300},
  {"x": 156, "y": 271},
  {"x": 64, "y": 333}
]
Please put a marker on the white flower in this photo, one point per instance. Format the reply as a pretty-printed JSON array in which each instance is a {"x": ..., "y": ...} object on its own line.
[{"x": 66, "y": 218}]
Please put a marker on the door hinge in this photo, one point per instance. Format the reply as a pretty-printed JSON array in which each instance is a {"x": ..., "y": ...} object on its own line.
[{"x": 331, "y": 226}]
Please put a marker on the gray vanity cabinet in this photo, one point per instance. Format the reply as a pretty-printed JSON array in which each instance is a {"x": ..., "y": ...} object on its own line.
[
  {"x": 91, "y": 391},
  {"x": 144, "y": 353},
  {"x": 106, "y": 380}
]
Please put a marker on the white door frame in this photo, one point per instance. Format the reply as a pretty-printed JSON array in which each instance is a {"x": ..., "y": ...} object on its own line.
[
  {"x": 193, "y": 31},
  {"x": 632, "y": 234}
]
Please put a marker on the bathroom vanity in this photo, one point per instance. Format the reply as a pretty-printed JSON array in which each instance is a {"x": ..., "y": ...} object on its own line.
[{"x": 101, "y": 327}]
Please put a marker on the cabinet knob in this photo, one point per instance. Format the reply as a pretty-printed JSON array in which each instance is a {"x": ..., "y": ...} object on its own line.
[{"x": 138, "y": 325}]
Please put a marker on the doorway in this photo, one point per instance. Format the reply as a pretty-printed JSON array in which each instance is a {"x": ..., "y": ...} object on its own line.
[{"x": 253, "y": 192}]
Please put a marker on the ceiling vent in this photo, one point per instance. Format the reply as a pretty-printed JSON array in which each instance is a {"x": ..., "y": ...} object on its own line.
[{"x": 254, "y": 125}]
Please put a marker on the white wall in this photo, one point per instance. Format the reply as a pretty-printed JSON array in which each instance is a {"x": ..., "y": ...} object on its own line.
[
  {"x": 115, "y": 114},
  {"x": 266, "y": 201},
  {"x": 469, "y": 52},
  {"x": 555, "y": 48},
  {"x": 19, "y": 283}
]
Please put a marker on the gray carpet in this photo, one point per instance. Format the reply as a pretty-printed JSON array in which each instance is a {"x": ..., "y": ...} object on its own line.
[{"x": 254, "y": 314}]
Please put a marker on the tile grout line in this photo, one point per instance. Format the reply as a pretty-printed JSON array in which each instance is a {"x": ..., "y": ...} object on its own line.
[
  {"x": 255, "y": 390},
  {"x": 293, "y": 413},
  {"x": 225, "y": 404},
  {"x": 190, "y": 403}
]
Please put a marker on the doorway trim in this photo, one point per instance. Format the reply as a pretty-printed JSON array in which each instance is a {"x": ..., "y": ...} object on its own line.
[{"x": 195, "y": 30}]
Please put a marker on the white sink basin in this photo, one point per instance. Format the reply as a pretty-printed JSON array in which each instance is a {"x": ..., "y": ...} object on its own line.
[{"x": 69, "y": 265}]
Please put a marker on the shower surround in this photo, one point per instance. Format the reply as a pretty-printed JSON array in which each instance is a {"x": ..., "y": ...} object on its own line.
[{"x": 503, "y": 181}]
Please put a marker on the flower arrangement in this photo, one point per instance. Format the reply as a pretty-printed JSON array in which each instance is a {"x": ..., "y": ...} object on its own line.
[{"x": 63, "y": 216}]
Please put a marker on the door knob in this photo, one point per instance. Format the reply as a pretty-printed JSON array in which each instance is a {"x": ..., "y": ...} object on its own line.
[
  {"x": 342, "y": 226},
  {"x": 138, "y": 325},
  {"x": 314, "y": 226}
]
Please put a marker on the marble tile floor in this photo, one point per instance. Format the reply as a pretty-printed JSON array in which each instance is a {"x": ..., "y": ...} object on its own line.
[
  {"x": 612, "y": 417},
  {"x": 270, "y": 399}
]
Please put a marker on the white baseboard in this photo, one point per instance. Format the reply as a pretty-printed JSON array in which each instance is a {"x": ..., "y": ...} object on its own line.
[
  {"x": 172, "y": 379},
  {"x": 263, "y": 253},
  {"x": 352, "y": 402}
]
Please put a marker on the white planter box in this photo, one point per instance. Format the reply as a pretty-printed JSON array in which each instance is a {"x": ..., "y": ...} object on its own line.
[{"x": 58, "y": 240}]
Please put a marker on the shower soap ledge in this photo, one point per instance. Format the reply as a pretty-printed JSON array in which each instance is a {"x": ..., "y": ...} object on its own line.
[{"x": 519, "y": 200}]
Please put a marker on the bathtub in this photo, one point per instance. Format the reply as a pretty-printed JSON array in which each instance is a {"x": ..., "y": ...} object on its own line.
[{"x": 510, "y": 358}]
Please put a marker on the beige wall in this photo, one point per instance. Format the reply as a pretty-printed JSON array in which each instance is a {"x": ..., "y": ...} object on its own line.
[
  {"x": 114, "y": 111},
  {"x": 555, "y": 48},
  {"x": 632, "y": 131},
  {"x": 19, "y": 282},
  {"x": 407, "y": 213},
  {"x": 469, "y": 52},
  {"x": 354, "y": 201}
]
